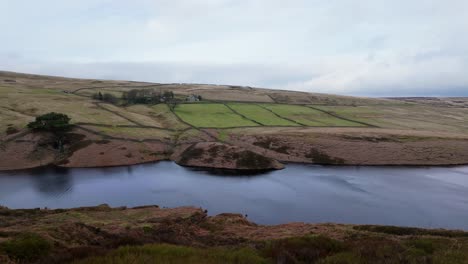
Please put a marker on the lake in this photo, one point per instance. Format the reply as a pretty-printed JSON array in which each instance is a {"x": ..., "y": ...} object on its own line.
[{"x": 434, "y": 197}]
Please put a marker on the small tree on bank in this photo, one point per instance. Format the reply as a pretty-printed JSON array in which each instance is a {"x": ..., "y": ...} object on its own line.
[
  {"x": 172, "y": 103},
  {"x": 106, "y": 97},
  {"x": 56, "y": 123}
]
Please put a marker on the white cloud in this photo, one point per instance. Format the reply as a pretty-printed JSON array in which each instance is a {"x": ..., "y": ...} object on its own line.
[{"x": 365, "y": 47}]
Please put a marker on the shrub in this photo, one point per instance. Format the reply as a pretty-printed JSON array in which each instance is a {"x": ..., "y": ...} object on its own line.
[
  {"x": 52, "y": 122},
  {"x": 11, "y": 130},
  {"x": 97, "y": 96},
  {"x": 26, "y": 247},
  {"x": 110, "y": 98},
  {"x": 342, "y": 258},
  {"x": 308, "y": 249}
]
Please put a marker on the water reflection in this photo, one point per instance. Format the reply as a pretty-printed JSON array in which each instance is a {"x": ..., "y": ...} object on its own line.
[
  {"x": 52, "y": 181},
  {"x": 428, "y": 197}
]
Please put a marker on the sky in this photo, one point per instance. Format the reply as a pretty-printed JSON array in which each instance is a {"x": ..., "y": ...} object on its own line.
[{"x": 352, "y": 47}]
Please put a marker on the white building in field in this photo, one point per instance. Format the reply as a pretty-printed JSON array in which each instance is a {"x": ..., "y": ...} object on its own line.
[{"x": 193, "y": 98}]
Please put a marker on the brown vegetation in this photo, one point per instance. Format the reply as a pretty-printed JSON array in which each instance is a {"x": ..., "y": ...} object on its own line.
[
  {"x": 62, "y": 235},
  {"x": 222, "y": 156}
]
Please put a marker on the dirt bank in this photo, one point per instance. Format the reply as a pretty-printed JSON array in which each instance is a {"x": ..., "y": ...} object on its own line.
[
  {"x": 242, "y": 150},
  {"x": 222, "y": 156},
  {"x": 82, "y": 149},
  {"x": 342, "y": 146}
]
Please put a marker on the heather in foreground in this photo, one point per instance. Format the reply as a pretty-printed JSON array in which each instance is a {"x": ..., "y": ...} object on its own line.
[{"x": 188, "y": 235}]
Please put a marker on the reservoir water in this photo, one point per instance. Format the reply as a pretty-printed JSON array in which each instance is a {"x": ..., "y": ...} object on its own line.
[{"x": 434, "y": 197}]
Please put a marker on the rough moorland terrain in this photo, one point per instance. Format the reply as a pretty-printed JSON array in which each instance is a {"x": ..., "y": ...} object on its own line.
[
  {"x": 187, "y": 235},
  {"x": 252, "y": 128}
]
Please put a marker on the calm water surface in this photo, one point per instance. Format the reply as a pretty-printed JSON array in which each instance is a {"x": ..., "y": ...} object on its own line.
[{"x": 424, "y": 197}]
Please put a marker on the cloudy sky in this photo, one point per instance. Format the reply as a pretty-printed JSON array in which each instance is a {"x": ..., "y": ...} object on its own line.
[{"x": 356, "y": 47}]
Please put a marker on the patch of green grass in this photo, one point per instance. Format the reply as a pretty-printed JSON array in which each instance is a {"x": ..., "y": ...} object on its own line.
[
  {"x": 211, "y": 115},
  {"x": 223, "y": 135},
  {"x": 307, "y": 116},
  {"x": 26, "y": 247},
  {"x": 261, "y": 115},
  {"x": 163, "y": 253}
]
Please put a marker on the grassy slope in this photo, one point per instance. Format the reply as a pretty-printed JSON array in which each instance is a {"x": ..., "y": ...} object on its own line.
[
  {"x": 410, "y": 116},
  {"x": 18, "y": 107},
  {"x": 308, "y": 116},
  {"x": 160, "y": 114},
  {"x": 210, "y": 115},
  {"x": 261, "y": 115}
]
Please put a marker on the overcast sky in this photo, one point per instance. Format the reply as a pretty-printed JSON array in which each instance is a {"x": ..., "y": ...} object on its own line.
[{"x": 356, "y": 47}]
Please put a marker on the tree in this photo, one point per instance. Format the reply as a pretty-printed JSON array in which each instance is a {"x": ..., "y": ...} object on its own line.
[
  {"x": 168, "y": 95},
  {"x": 110, "y": 98},
  {"x": 55, "y": 123},
  {"x": 51, "y": 122},
  {"x": 146, "y": 96},
  {"x": 98, "y": 96},
  {"x": 172, "y": 103}
]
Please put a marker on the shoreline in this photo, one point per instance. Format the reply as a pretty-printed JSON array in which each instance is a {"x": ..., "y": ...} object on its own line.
[
  {"x": 238, "y": 153},
  {"x": 106, "y": 207},
  {"x": 233, "y": 171}
]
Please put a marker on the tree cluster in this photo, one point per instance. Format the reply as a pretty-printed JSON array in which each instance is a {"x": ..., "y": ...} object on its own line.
[
  {"x": 51, "y": 122},
  {"x": 106, "y": 97},
  {"x": 147, "y": 96}
]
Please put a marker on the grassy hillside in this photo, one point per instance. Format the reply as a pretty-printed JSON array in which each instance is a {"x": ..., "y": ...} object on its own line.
[
  {"x": 302, "y": 127},
  {"x": 22, "y": 97}
]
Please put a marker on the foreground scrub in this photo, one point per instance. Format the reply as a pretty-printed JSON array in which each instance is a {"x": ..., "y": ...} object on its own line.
[{"x": 187, "y": 235}]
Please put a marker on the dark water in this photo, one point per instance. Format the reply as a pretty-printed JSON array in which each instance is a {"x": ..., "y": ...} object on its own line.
[{"x": 425, "y": 197}]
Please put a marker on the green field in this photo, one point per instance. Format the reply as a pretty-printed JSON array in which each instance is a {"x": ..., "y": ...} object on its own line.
[
  {"x": 420, "y": 117},
  {"x": 211, "y": 115},
  {"x": 261, "y": 115},
  {"x": 220, "y": 116},
  {"x": 307, "y": 116}
]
